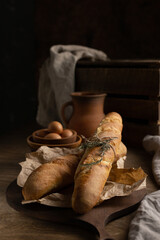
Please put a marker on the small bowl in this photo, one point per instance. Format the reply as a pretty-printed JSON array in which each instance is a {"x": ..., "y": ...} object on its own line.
[
  {"x": 34, "y": 145},
  {"x": 38, "y": 136}
]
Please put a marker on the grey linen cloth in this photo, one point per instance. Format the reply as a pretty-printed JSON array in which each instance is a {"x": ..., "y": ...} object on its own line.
[
  {"x": 56, "y": 81},
  {"x": 146, "y": 223}
]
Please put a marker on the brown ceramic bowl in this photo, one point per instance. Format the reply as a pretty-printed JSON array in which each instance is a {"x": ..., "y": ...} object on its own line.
[
  {"x": 38, "y": 136},
  {"x": 34, "y": 145}
]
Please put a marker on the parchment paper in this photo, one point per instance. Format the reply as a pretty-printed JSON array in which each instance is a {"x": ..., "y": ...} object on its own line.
[{"x": 132, "y": 180}]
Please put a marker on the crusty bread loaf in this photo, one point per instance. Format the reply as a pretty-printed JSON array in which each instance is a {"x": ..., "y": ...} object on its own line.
[
  {"x": 93, "y": 169},
  {"x": 121, "y": 151},
  {"x": 50, "y": 176}
]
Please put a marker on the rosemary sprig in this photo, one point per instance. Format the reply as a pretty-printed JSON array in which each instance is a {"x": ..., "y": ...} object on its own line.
[{"x": 96, "y": 142}]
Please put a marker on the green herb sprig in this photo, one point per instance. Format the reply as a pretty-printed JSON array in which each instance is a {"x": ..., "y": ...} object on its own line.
[{"x": 96, "y": 142}]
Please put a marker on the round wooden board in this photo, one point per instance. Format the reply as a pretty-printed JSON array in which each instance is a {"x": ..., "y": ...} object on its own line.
[{"x": 96, "y": 219}]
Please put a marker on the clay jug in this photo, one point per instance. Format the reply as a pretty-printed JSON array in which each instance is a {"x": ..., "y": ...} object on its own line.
[{"x": 87, "y": 112}]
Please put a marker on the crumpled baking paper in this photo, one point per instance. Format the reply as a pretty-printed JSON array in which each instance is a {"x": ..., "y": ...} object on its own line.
[{"x": 121, "y": 181}]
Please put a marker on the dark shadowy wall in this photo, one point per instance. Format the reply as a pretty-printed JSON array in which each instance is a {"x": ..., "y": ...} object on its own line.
[
  {"x": 121, "y": 28},
  {"x": 18, "y": 101}
]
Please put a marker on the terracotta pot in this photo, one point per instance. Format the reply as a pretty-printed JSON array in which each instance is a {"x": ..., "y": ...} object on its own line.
[{"x": 87, "y": 112}]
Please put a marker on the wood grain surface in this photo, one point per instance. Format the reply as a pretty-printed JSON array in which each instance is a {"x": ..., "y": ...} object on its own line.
[
  {"x": 15, "y": 225},
  {"x": 132, "y": 81},
  {"x": 95, "y": 219}
]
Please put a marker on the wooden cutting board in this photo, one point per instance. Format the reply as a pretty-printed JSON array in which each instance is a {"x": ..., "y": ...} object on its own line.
[{"x": 95, "y": 220}]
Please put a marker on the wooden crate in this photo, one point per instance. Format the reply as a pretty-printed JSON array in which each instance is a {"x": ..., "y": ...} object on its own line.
[{"x": 133, "y": 90}]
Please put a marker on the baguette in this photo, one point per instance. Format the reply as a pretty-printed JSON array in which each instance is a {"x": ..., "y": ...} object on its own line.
[
  {"x": 90, "y": 178},
  {"x": 50, "y": 176}
]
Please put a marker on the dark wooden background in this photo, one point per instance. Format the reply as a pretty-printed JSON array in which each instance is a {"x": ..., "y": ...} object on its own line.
[{"x": 124, "y": 29}]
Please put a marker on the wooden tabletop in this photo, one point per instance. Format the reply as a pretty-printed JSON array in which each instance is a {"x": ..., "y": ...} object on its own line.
[{"x": 15, "y": 225}]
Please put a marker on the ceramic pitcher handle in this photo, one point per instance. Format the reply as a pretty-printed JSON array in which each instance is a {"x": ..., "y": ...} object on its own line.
[{"x": 70, "y": 103}]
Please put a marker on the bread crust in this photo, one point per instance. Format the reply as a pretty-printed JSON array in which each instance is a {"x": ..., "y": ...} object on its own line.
[
  {"x": 50, "y": 176},
  {"x": 90, "y": 178}
]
